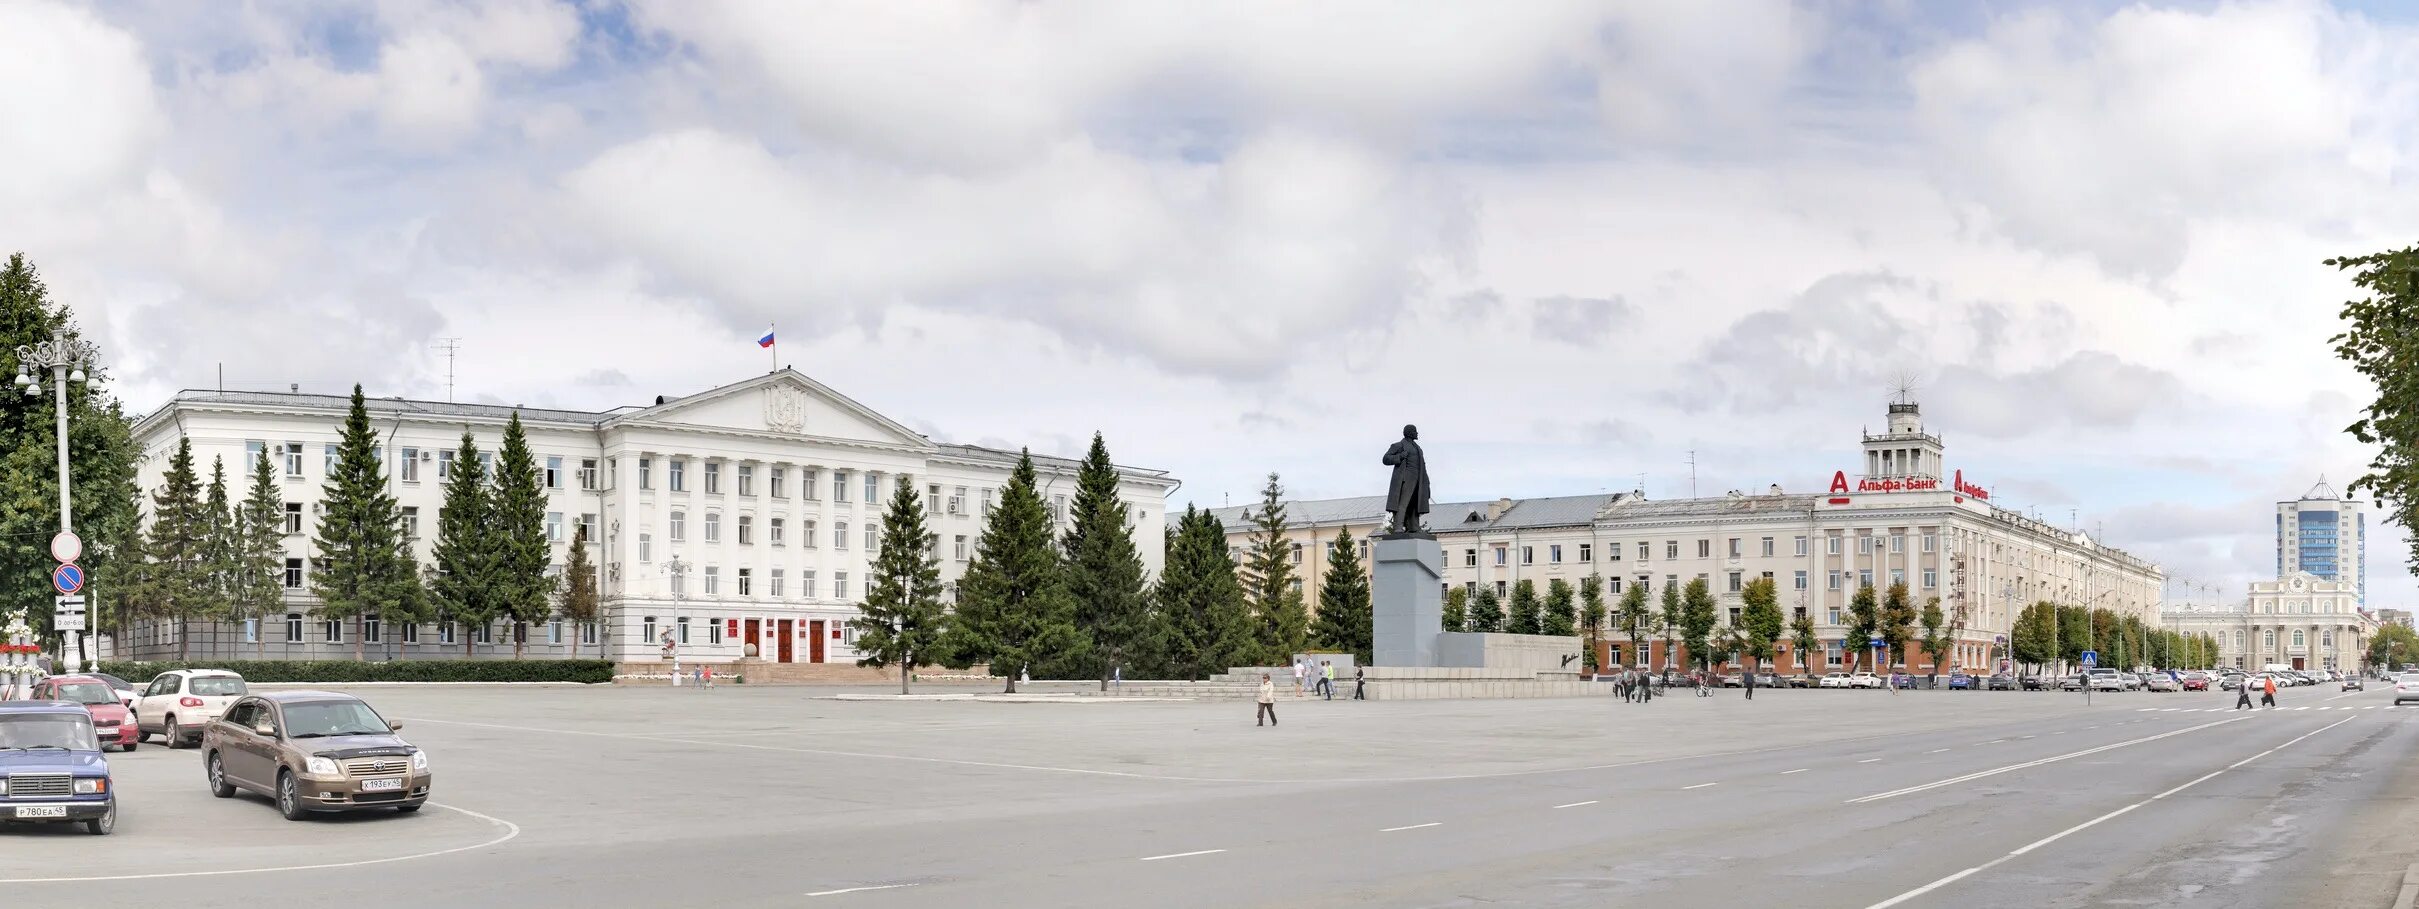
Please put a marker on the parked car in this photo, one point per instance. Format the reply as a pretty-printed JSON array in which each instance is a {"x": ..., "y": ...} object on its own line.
[
  {"x": 1864, "y": 680},
  {"x": 112, "y": 723},
  {"x": 2036, "y": 683},
  {"x": 1734, "y": 680},
  {"x": 2406, "y": 687},
  {"x": 180, "y": 702},
  {"x": 1768, "y": 680},
  {"x": 2001, "y": 682},
  {"x": 1833, "y": 680},
  {"x": 2130, "y": 681},
  {"x": 125, "y": 690},
  {"x": 314, "y": 751},
  {"x": 2353, "y": 683},
  {"x": 2195, "y": 681},
  {"x": 2074, "y": 682},
  {"x": 1961, "y": 682},
  {"x": 2230, "y": 681},
  {"x": 53, "y": 767},
  {"x": 2160, "y": 681},
  {"x": 2106, "y": 680}
]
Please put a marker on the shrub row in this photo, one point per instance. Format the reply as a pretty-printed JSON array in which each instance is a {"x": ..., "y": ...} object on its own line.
[{"x": 587, "y": 671}]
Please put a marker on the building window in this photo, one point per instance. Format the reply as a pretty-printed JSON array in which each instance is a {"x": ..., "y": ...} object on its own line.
[
  {"x": 840, "y": 535},
  {"x": 1831, "y": 654},
  {"x": 1503, "y": 555},
  {"x": 2267, "y": 639},
  {"x": 2326, "y": 638},
  {"x": 747, "y": 479},
  {"x": 332, "y": 630},
  {"x": 1058, "y": 509},
  {"x": 646, "y": 473},
  {"x": 1528, "y": 555},
  {"x": 1469, "y": 558},
  {"x": 554, "y": 527},
  {"x": 1553, "y": 554},
  {"x": 1898, "y": 542},
  {"x": 554, "y": 471},
  {"x": 647, "y": 630},
  {"x": 1295, "y": 553},
  {"x": 1864, "y": 545},
  {"x": 807, "y": 478},
  {"x": 2238, "y": 640},
  {"x": 251, "y": 631},
  {"x": 1704, "y": 549},
  {"x": 680, "y": 583},
  {"x": 1864, "y": 577},
  {"x": 873, "y": 537},
  {"x": 961, "y": 547},
  {"x": 772, "y": 584},
  {"x": 2297, "y": 637},
  {"x": 646, "y": 546},
  {"x": 713, "y": 478},
  {"x": 932, "y": 500},
  {"x": 411, "y": 632},
  {"x": 587, "y": 632},
  {"x": 1832, "y": 543},
  {"x": 1898, "y": 575},
  {"x": 587, "y": 522},
  {"x": 1733, "y": 547},
  {"x": 1931, "y": 577},
  {"x": 683, "y": 624},
  {"x": 746, "y": 587},
  {"x": 1612, "y": 585},
  {"x": 1801, "y": 545},
  {"x": 1834, "y": 583},
  {"x": 676, "y": 475},
  {"x": 1587, "y": 552},
  {"x": 445, "y": 631},
  {"x": 1642, "y": 550},
  {"x": 1735, "y": 586},
  {"x": 373, "y": 631},
  {"x": 293, "y": 574},
  {"x": 253, "y": 449},
  {"x": 1671, "y": 549},
  {"x": 587, "y": 478},
  {"x": 554, "y": 631},
  {"x": 411, "y": 465},
  {"x": 957, "y": 500},
  {"x": 1799, "y": 582},
  {"x": 986, "y": 502},
  {"x": 411, "y": 522},
  {"x": 806, "y": 583},
  {"x": 747, "y": 530},
  {"x": 840, "y": 585},
  {"x": 713, "y": 580},
  {"x": 773, "y": 531},
  {"x": 1930, "y": 541},
  {"x": 1502, "y": 589},
  {"x": 873, "y": 486},
  {"x": 806, "y": 533},
  {"x": 330, "y": 450},
  {"x": 678, "y": 527},
  {"x": 293, "y": 458},
  {"x": 1767, "y": 547},
  {"x": 713, "y": 631},
  {"x": 293, "y": 628},
  {"x": 773, "y": 477},
  {"x": 293, "y": 518},
  {"x": 840, "y": 486}
]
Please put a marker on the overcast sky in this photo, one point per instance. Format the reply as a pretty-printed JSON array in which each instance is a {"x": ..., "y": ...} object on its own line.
[{"x": 1574, "y": 242}]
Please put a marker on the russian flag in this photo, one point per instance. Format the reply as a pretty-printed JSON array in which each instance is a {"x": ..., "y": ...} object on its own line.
[{"x": 767, "y": 340}]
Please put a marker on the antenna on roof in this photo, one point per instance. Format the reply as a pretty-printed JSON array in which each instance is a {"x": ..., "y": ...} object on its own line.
[
  {"x": 449, "y": 346},
  {"x": 1692, "y": 473}
]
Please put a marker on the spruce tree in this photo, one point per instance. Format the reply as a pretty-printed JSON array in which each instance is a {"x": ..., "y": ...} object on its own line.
[
  {"x": 1556, "y": 617},
  {"x": 1211, "y": 627},
  {"x": 179, "y": 545},
  {"x": 1697, "y": 621},
  {"x": 1457, "y": 609},
  {"x": 1268, "y": 578},
  {"x": 258, "y": 586},
  {"x": 1104, "y": 572},
  {"x": 363, "y": 568},
  {"x": 220, "y": 542},
  {"x": 1345, "y": 623},
  {"x": 1525, "y": 609},
  {"x": 1013, "y": 609},
  {"x": 1636, "y": 621},
  {"x": 1486, "y": 612},
  {"x": 516, "y": 536},
  {"x": 578, "y": 603},
  {"x": 464, "y": 581},
  {"x": 902, "y": 622}
]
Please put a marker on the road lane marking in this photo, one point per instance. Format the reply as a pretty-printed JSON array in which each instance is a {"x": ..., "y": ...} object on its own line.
[
  {"x": 1172, "y": 855},
  {"x": 1788, "y": 772},
  {"x": 1936, "y": 751},
  {"x": 1699, "y": 786},
  {"x": 1577, "y": 804},
  {"x": 858, "y": 889},
  {"x": 1413, "y": 827},
  {"x": 510, "y": 830},
  {"x": 1868, "y": 760},
  {"x": 1910, "y": 790}
]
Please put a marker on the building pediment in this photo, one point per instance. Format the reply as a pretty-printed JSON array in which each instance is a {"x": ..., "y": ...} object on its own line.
[{"x": 783, "y": 403}]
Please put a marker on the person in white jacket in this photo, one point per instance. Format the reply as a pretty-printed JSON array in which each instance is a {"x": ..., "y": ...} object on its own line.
[{"x": 1268, "y": 701}]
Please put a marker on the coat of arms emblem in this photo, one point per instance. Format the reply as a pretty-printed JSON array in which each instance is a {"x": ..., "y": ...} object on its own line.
[{"x": 785, "y": 409}]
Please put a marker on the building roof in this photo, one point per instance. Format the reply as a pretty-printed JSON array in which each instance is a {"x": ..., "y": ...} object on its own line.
[
  {"x": 1306, "y": 512},
  {"x": 1051, "y": 463},
  {"x": 388, "y": 406},
  {"x": 2320, "y": 491},
  {"x": 1551, "y": 511}
]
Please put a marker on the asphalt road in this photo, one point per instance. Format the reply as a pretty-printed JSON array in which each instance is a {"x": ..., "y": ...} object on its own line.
[{"x": 778, "y": 797}]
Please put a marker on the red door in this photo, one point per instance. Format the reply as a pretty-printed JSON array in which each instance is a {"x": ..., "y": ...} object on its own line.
[
  {"x": 815, "y": 635},
  {"x": 2297, "y": 663},
  {"x": 753, "y": 636},
  {"x": 781, "y": 628}
]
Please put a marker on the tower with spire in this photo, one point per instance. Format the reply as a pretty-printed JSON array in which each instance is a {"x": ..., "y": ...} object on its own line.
[{"x": 2324, "y": 534}]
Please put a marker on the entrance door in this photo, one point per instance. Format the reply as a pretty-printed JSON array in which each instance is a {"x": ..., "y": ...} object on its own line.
[
  {"x": 2297, "y": 663},
  {"x": 781, "y": 629},
  {"x": 755, "y": 637},
  {"x": 815, "y": 638}
]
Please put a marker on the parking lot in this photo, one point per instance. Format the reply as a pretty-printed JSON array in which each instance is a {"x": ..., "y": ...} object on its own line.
[{"x": 775, "y": 796}]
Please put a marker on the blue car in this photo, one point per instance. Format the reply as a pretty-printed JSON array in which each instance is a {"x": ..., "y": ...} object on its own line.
[
  {"x": 51, "y": 768},
  {"x": 1961, "y": 682}
]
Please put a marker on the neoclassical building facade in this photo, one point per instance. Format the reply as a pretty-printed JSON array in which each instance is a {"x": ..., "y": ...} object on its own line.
[{"x": 2298, "y": 621}]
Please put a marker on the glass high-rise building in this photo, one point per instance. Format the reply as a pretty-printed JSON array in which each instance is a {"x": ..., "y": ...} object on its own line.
[{"x": 2326, "y": 535}]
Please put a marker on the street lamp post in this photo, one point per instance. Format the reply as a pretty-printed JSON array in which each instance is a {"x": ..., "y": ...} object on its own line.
[
  {"x": 679, "y": 571},
  {"x": 66, "y": 358}
]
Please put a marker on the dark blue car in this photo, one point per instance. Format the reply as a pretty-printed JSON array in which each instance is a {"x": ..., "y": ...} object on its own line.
[
  {"x": 1961, "y": 682},
  {"x": 51, "y": 768}
]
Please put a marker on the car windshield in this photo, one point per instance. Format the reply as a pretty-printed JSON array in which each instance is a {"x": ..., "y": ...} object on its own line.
[
  {"x": 32, "y": 731},
  {"x": 87, "y": 693},
  {"x": 325, "y": 718},
  {"x": 217, "y": 686}
]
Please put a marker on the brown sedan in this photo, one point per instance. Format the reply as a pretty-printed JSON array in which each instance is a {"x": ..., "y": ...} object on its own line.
[{"x": 313, "y": 751}]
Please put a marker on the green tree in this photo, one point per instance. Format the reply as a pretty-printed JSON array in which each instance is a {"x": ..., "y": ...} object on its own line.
[
  {"x": 578, "y": 602},
  {"x": 179, "y": 546},
  {"x": 1104, "y": 573},
  {"x": 1760, "y": 621},
  {"x": 464, "y": 583},
  {"x": 1210, "y": 628},
  {"x": 1268, "y": 578},
  {"x": 219, "y": 543},
  {"x": 1486, "y": 612},
  {"x": 2074, "y": 634},
  {"x": 1525, "y": 609},
  {"x": 1697, "y": 621},
  {"x": 1345, "y": 622},
  {"x": 364, "y": 567},
  {"x": 1013, "y": 608},
  {"x": 2029, "y": 640},
  {"x": 1803, "y": 641},
  {"x": 1897, "y": 623},
  {"x": 902, "y": 623},
  {"x": 1457, "y": 609},
  {"x": 1591, "y": 617},
  {"x": 516, "y": 537},
  {"x": 1556, "y": 618},
  {"x": 1637, "y": 622},
  {"x": 1939, "y": 635},
  {"x": 2381, "y": 341},
  {"x": 258, "y": 586},
  {"x": 2393, "y": 646},
  {"x": 1670, "y": 621},
  {"x": 1864, "y": 622}
]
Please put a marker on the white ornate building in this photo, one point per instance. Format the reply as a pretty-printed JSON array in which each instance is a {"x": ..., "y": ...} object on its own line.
[
  {"x": 2300, "y": 621},
  {"x": 745, "y": 514}
]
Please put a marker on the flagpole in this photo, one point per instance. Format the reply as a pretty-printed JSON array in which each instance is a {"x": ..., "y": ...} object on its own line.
[{"x": 775, "y": 347}]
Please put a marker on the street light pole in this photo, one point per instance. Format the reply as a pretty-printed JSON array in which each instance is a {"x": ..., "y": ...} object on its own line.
[
  {"x": 679, "y": 571},
  {"x": 66, "y": 358}
]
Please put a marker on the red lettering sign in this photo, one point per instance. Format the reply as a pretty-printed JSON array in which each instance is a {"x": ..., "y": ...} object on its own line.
[
  {"x": 1839, "y": 481},
  {"x": 1969, "y": 489}
]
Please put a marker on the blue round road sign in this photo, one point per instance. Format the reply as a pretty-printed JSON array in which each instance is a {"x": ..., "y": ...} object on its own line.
[{"x": 68, "y": 578}]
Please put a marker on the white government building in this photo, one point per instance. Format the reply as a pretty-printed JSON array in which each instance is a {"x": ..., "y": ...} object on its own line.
[
  {"x": 745, "y": 514},
  {"x": 2300, "y": 621}
]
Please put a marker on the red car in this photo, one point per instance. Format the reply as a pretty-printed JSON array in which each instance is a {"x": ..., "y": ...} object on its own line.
[
  {"x": 2194, "y": 681},
  {"x": 110, "y": 718}
]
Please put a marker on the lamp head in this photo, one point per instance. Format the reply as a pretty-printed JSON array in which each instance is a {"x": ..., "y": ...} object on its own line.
[
  {"x": 33, "y": 389},
  {"x": 77, "y": 375},
  {"x": 22, "y": 379}
]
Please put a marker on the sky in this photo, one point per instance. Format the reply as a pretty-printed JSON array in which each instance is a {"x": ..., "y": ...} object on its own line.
[{"x": 1582, "y": 245}]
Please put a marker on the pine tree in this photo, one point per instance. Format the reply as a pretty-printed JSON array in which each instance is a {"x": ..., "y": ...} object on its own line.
[
  {"x": 1013, "y": 609},
  {"x": 1524, "y": 617},
  {"x": 257, "y": 586},
  {"x": 1591, "y": 617},
  {"x": 516, "y": 537},
  {"x": 1697, "y": 617},
  {"x": 1345, "y": 623},
  {"x": 1486, "y": 612},
  {"x": 1457, "y": 609},
  {"x": 1268, "y": 578},
  {"x": 1864, "y": 620},
  {"x": 1556, "y": 618},
  {"x": 1104, "y": 572},
  {"x": 220, "y": 539},
  {"x": 578, "y": 602},
  {"x": 179, "y": 545},
  {"x": 1636, "y": 622},
  {"x": 1760, "y": 621},
  {"x": 1210, "y": 630},
  {"x": 902, "y": 622},
  {"x": 1803, "y": 641},
  {"x": 463, "y": 584},
  {"x": 363, "y": 568}
]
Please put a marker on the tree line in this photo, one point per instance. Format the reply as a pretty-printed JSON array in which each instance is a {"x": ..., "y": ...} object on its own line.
[{"x": 2049, "y": 635}]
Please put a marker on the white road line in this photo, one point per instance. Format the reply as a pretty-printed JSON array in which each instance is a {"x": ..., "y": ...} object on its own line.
[
  {"x": 1799, "y": 770},
  {"x": 2024, "y": 736},
  {"x": 1927, "y": 888},
  {"x": 2301, "y": 708},
  {"x": 2029, "y": 764},
  {"x": 1413, "y": 827},
  {"x": 1699, "y": 786},
  {"x": 1577, "y": 804},
  {"x": 1173, "y": 855},
  {"x": 2350, "y": 695},
  {"x": 1868, "y": 760},
  {"x": 510, "y": 830},
  {"x": 1936, "y": 751},
  {"x": 2144, "y": 709},
  {"x": 858, "y": 889}
]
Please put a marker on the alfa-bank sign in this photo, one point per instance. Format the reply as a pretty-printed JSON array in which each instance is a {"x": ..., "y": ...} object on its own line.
[{"x": 1840, "y": 487}]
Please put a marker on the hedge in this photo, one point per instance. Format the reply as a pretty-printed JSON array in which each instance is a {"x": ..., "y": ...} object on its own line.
[{"x": 586, "y": 671}]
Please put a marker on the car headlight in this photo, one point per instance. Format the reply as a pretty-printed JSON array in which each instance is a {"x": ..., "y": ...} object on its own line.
[
  {"x": 420, "y": 761},
  {"x": 321, "y": 766},
  {"x": 92, "y": 785}
]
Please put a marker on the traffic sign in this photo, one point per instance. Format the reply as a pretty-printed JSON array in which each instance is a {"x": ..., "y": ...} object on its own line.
[
  {"x": 2091, "y": 658},
  {"x": 1877, "y": 642},
  {"x": 68, "y": 614},
  {"x": 66, "y": 546},
  {"x": 67, "y": 578}
]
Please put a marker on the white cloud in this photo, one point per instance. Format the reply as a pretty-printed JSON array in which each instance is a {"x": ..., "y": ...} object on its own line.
[{"x": 80, "y": 116}]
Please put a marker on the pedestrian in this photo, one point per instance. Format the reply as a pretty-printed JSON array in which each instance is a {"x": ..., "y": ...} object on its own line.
[
  {"x": 1751, "y": 686},
  {"x": 2242, "y": 695},
  {"x": 1268, "y": 702},
  {"x": 1301, "y": 668},
  {"x": 1327, "y": 678},
  {"x": 1117, "y": 677},
  {"x": 2267, "y": 696},
  {"x": 1360, "y": 685}
]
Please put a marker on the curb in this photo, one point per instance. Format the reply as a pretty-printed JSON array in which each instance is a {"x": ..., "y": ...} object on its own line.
[
  {"x": 426, "y": 684},
  {"x": 2410, "y": 888}
]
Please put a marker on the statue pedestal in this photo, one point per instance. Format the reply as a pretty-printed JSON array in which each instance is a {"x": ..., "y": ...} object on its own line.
[{"x": 1407, "y": 600}]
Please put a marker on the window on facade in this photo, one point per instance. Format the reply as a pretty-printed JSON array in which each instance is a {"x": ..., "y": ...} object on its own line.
[
  {"x": 932, "y": 500},
  {"x": 1831, "y": 654},
  {"x": 839, "y": 486},
  {"x": 1799, "y": 581},
  {"x": 682, "y": 623},
  {"x": 1612, "y": 585},
  {"x": 445, "y": 630},
  {"x": 587, "y": 476},
  {"x": 554, "y": 471},
  {"x": 1704, "y": 549},
  {"x": 1898, "y": 542},
  {"x": 747, "y": 479},
  {"x": 1295, "y": 553},
  {"x": 1931, "y": 541},
  {"x": 1735, "y": 586},
  {"x": 747, "y": 530},
  {"x": 713, "y": 478},
  {"x": 1801, "y": 546},
  {"x": 772, "y": 584},
  {"x": 253, "y": 448},
  {"x": 957, "y": 500},
  {"x": 680, "y": 582},
  {"x": 1931, "y": 577},
  {"x": 554, "y": 631},
  {"x": 1864, "y": 577},
  {"x": 1898, "y": 575},
  {"x": 1469, "y": 558},
  {"x": 1733, "y": 547},
  {"x": 293, "y": 574},
  {"x": 2297, "y": 637},
  {"x": 806, "y": 583},
  {"x": 1864, "y": 545},
  {"x": 251, "y": 631},
  {"x": 1502, "y": 588},
  {"x": 2326, "y": 639},
  {"x": 773, "y": 530},
  {"x": 873, "y": 486},
  {"x": 373, "y": 631},
  {"x": 1643, "y": 549},
  {"x": 773, "y": 482},
  {"x": 647, "y": 629},
  {"x": 986, "y": 501},
  {"x": 1528, "y": 555},
  {"x": 1554, "y": 554},
  {"x": 1834, "y": 583},
  {"x": 646, "y": 546},
  {"x": 960, "y": 548},
  {"x": 411, "y": 522},
  {"x": 1587, "y": 552},
  {"x": 2267, "y": 639},
  {"x": 840, "y": 585},
  {"x": 587, "y": 522},
  {"x": 411, "y": 632},
  {"x": 293, "y": 518},
  {"x": 840, "y": 535},
  {"x": 332, "y": 630},
  {"x": 1671, "y": 549},
  {"x": 330, "y": 450},
  {"x": 1503, "y": 555},
  {"x": 1832, "y": 544},
  {"x": 873, "y": 537},
  {"x": 1768, "y": 547},
  {"x": 646, "y": 473},
  {"x": 292, "y": 454},
  {"x": 677, "y": 529},
  {"x": 713, "y": 580},
  {"x": 676, "y": 475},
  {"x": 554, "y": 527},
  {"x": 411, "y": 466},
  {"x": 745, "y": 586},
  {"x": 293, "y": 628}
]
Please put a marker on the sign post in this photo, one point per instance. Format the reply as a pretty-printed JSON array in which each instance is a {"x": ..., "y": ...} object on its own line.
[
  {"x": 69, "y": 580},
  {"x": 68, "y": 613},
  {"x": 2090, "y": 659}
]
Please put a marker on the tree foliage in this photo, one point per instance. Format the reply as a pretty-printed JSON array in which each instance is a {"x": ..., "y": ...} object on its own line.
[
  {"x": 1697, "y": 620},
  {"x": 1864, "y": 621},
  {"x": 1457, "y": 609},
  {"x": 1526, "y": 610},
  {"x": 176, "y": 586},
  {"x": 902, "y": 623},
  {"x": 1210, "y": 627},
  {"x": 578, "y": 601},
  {"x": 1486, "y": 612},
  {"x": 1592, "y": 614},
  {"x": 1555, "y": 616},
  {"x": 1939, "y": 634},
  {"x": 2380, "y": 340},
  {"x": 1802, "y": 640},
  {"x": 1637, "y": 622},
  {"x": 1013, "y": 609},
  {"x": 1345, "y": 622},
  {"x": 463, "y": 584},
  {"x": 1897, "y": 623},
  {"x": 1670, "y": 621},
  {"x": 1104, "y": 573},
  {"x": 258, "y": 587},
  {"x": 1268, "y": 578},
  {"x": 1760, "y": 620},
  {"x": 364, "y": 568},
  {"x": 516, "y": 534}
]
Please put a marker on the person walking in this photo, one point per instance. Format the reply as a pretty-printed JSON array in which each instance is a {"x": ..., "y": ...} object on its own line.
[
  {"x": 1268, "y": 702},
  {"x": 1751, "y": 686},
  {"x": 1327, "y": 678},
  {"x": 1301, "y": 670},
  {"x": 1360, "y": 685},
  {"x": 2242, "y": 695},
  {"x": 2267, "y": 687}
]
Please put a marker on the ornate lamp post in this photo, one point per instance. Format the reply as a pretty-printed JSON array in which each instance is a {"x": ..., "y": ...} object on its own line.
[
  {"x": 65, "y": 358},
  {"x": 679, "y": 572}
]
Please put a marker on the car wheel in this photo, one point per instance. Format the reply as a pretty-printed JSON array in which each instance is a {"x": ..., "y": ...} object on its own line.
[
  {"x": 218, "y": 778},
  {"x": 289, "y": 796},
  {"x": 108, "y": 821},
  {"x": 130, "y": 746},
  {"x": 175, "y": 735},
  {"x": 406, "y": 809}
]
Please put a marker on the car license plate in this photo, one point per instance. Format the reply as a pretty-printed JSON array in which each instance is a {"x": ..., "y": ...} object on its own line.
[
  {"x": 389, "y": 785},
  {"x": 27, "y": 811}
]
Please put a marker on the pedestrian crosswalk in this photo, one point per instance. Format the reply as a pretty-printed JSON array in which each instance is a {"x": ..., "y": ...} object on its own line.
[{"x": 2279, "y": 708}]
